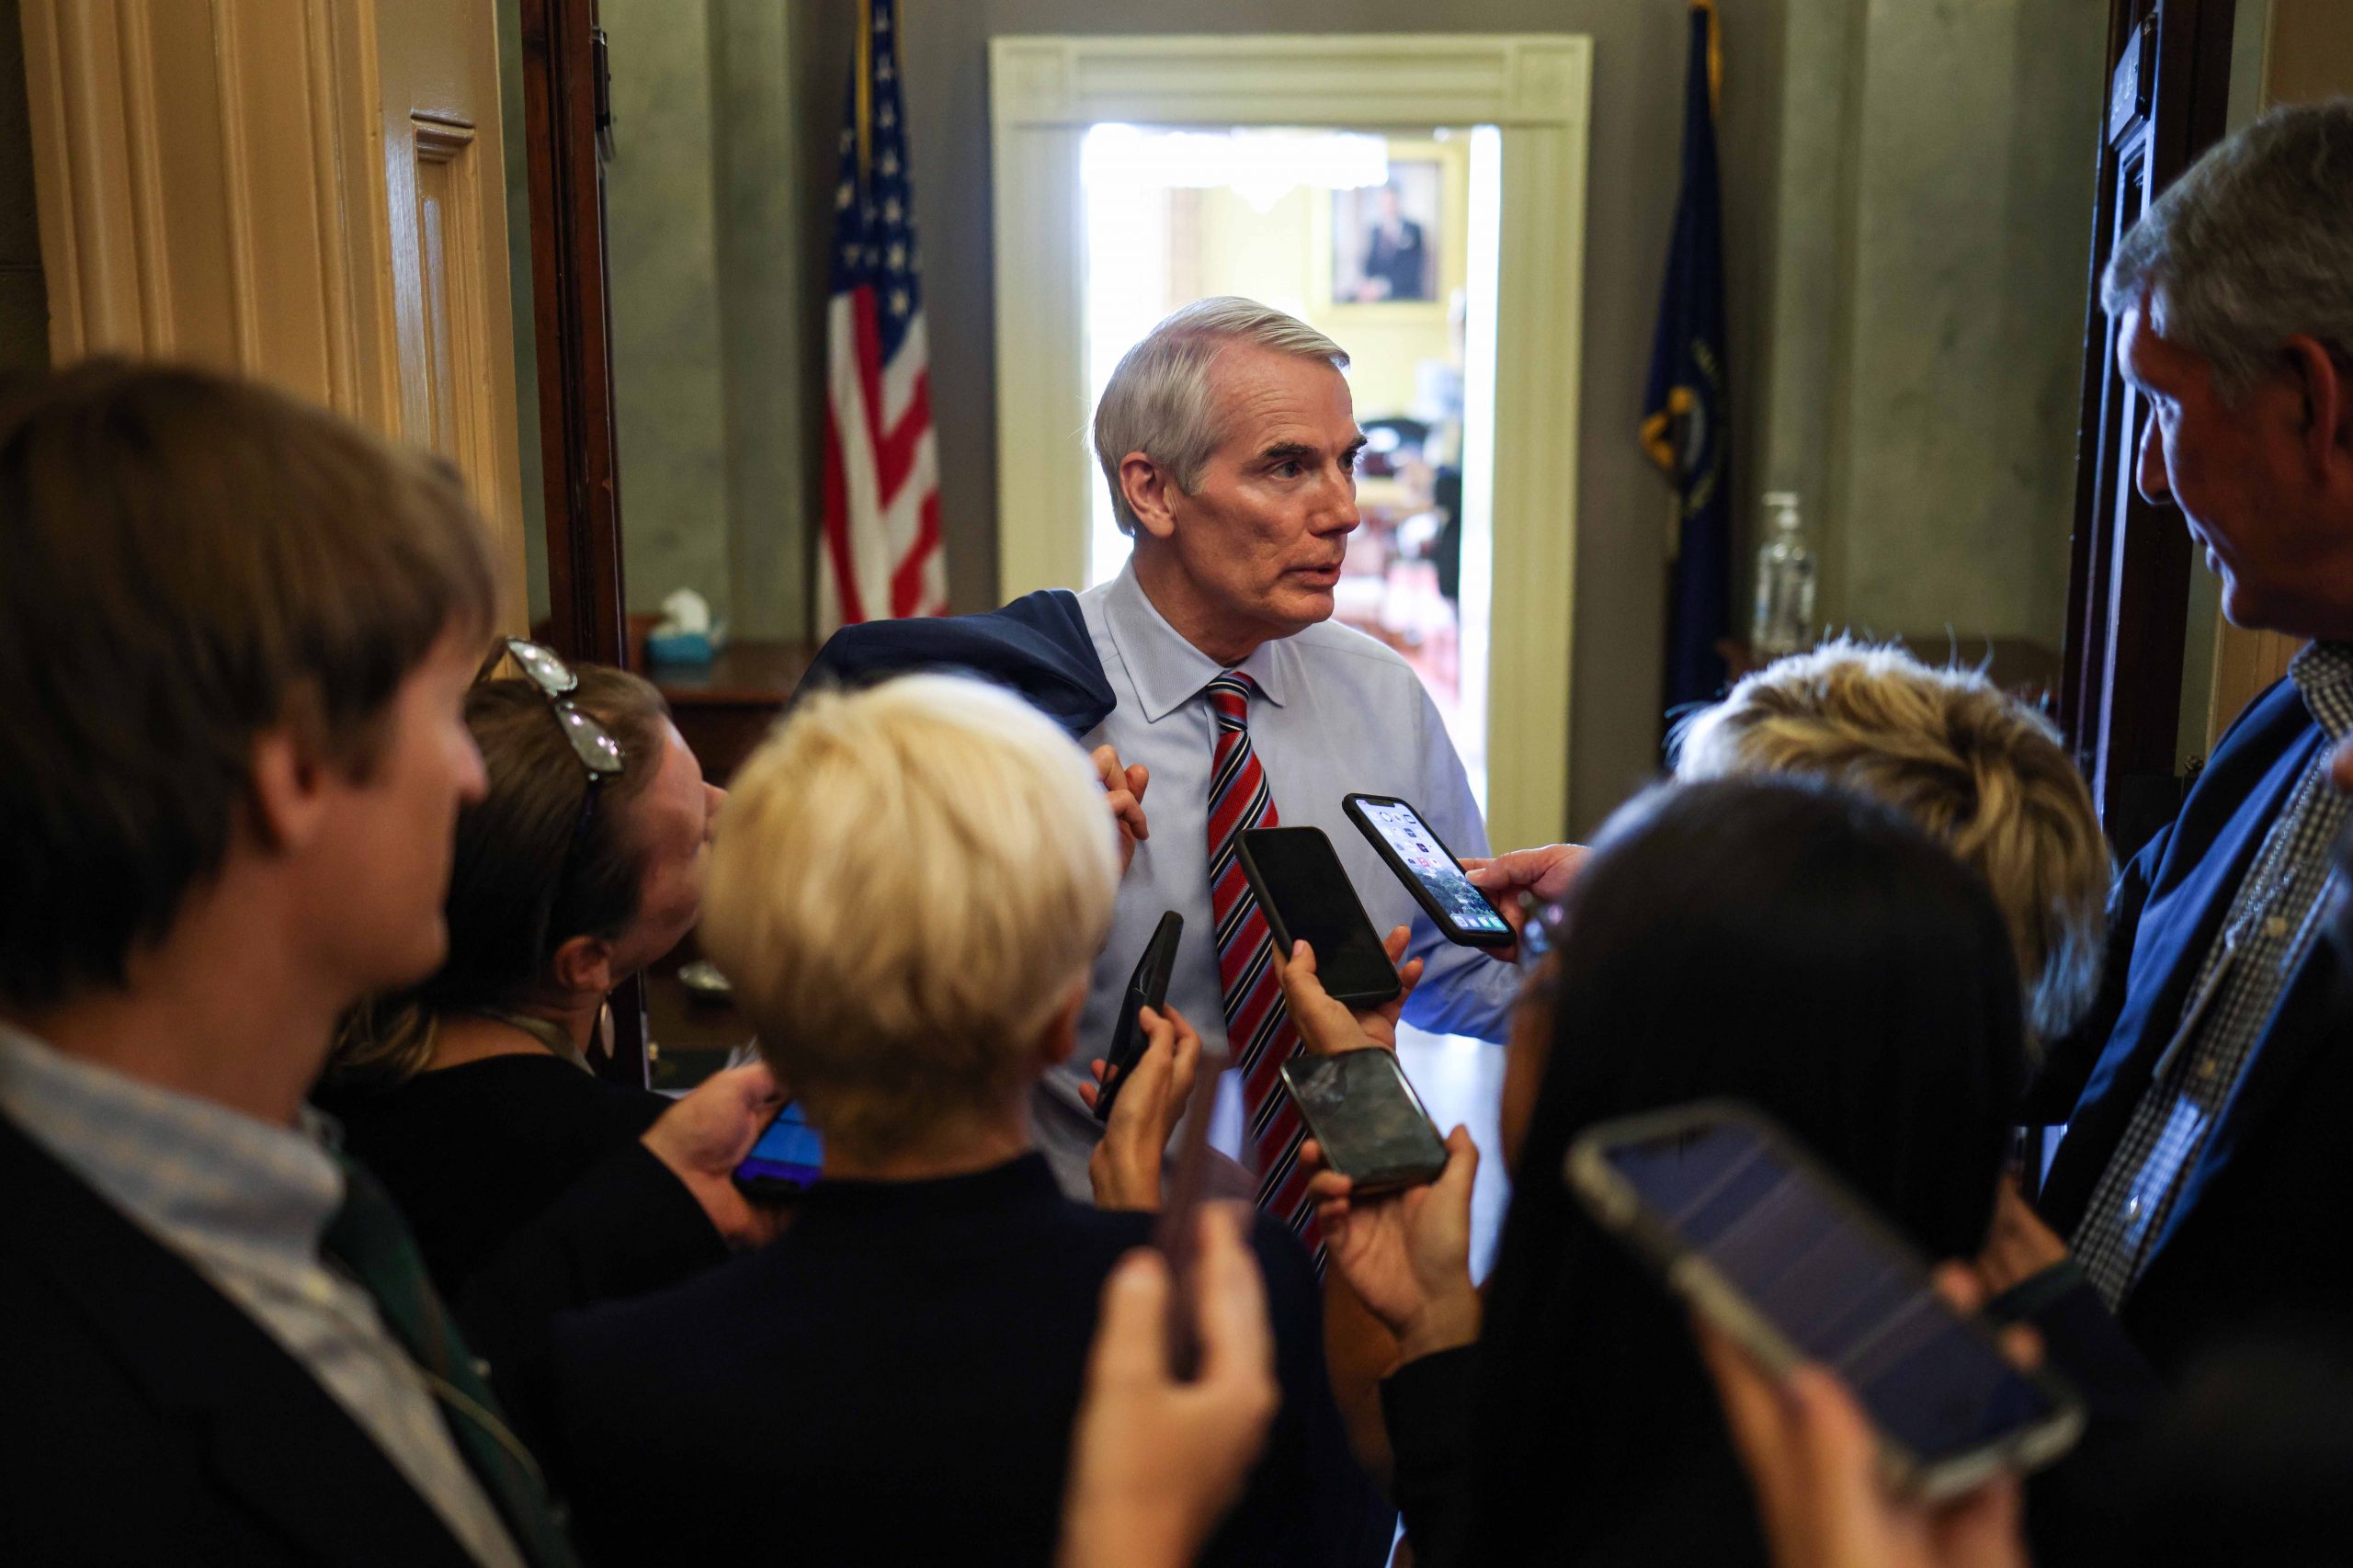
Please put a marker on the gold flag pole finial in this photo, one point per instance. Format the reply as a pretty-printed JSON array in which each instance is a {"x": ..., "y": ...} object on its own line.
[
  {"x": 865, "y": 87},
  {"x": 1715, "y": 56}
]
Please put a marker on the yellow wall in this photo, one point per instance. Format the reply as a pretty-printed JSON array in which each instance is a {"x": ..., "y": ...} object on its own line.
[{"x": 1282, "y": 257}]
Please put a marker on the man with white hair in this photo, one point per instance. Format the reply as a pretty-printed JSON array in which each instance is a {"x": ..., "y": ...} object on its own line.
[{"x": 1229, "y": 442}]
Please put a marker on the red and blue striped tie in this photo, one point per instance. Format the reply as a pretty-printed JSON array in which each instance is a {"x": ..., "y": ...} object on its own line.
[{"x": 1257, "y": 1027}]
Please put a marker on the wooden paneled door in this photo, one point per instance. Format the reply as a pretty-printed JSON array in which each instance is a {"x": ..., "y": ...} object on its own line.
[
  {"x": 306, "y": 191},
  {"x": 2129, "y": 572}
]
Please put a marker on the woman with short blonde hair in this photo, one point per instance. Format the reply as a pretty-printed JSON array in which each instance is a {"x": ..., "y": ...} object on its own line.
[
  {"x": 909, "y": 886},
  {"x": 1976, "y": 767},
  {"x": 908, "y": 891}
]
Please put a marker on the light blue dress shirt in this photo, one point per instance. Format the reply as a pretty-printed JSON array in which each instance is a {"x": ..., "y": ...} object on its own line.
[{"x": 1336, "y": 713}]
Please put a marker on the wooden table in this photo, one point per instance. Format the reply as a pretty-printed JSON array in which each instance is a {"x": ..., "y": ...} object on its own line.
[{"x": 725, "y": 708}]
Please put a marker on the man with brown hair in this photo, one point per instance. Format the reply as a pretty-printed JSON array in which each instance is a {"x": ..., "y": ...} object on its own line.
[{"x": 236, "y": 633}]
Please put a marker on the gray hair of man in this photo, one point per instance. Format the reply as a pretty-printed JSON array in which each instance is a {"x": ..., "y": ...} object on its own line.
[
  {"x": 1160, "y": 402},
  {"x": 2252, "y": 246}
]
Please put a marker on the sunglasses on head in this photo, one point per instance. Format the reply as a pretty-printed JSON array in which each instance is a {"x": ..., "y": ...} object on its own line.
[{"x": 599, "y": 754}]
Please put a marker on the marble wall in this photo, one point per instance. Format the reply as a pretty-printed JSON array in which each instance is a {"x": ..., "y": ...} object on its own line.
[
  {"x": 704, "y": 257},
  {"x": 1936, "y": 173}
]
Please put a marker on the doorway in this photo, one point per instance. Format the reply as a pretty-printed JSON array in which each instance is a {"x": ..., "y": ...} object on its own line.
[
  {"x": 1385, "y": 242},
  {"x": 1514, "y": 110}
]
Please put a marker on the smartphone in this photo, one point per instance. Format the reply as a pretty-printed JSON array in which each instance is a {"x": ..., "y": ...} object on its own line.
[
  {"x": 1371, "y": 1124},
  {"x": 1305, "y": 894},
  {"x": 1429, "y": 871},
  {"x": 788, "y": 1159},
  {"x": 1770, "y": 1247},
  {"x": 1147, "y": 987}
]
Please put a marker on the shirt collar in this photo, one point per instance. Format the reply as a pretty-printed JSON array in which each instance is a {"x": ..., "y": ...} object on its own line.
[
  {"x": 2324, "y": 675},
  {"x": 1168, "y": 671},
  {"x": 186, "y": 1168}
]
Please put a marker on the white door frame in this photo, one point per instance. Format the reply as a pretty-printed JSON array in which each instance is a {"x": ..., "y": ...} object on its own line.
[{"x": 1045, "y": 92}]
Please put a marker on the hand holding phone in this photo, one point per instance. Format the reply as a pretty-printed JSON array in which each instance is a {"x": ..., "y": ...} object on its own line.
[
  {"x": 1124, "y": 1168},
  {"x": 1406, "y": 1252},
  {"x": 1328, "y": 1027},
  {"x": 1822, "y": 1491},
  {"x": 1147, "y": 987},
  {"x": 1772, "y": 1250}
]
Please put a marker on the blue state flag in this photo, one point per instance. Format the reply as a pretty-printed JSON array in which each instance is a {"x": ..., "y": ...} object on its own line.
[{"x": 1686, "y": 410}]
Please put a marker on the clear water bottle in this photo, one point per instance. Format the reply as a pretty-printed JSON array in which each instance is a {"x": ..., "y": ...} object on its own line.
[{"x": 1784, "y": 620}]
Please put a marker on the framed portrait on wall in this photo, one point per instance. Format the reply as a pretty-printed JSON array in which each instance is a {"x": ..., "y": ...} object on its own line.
[
  {"x": 1386, "y": 238},
  {"x": 1394, "y": 250}
]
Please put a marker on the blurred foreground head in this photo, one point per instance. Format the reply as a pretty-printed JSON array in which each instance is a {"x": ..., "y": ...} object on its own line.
[
  {"x": 1775, "y": 941},
  {"x": 194, "y": 562},
  {"x": 908, "y": 886},
  {"x": 1979, "y": 769}
]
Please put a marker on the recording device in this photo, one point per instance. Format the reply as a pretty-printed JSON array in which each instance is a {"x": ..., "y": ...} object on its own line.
[
  {"x": 1177, "y": 1232},
  {"x": 1429, "y": 871},
  {"x": 1771, "y": 1248},
  {"x": 1305, "y": 894},
  {"x": 1147, "y": 987},
  {"x": 787, "y": 1160},
  {"x": 1374, "y": 1132}
]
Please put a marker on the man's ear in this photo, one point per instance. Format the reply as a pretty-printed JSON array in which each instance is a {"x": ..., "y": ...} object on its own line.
[
  {"x": 1150, "y": 494},
  {"x": 1061, "y": 1038},
  {"x": 289, "y": 782},
  {"x": 583, "y": 965},
  {"x": 2328, "y": 408}
]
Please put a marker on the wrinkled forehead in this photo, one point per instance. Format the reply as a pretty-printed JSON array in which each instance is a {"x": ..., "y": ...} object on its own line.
[{"x": 1263, "y": 398}]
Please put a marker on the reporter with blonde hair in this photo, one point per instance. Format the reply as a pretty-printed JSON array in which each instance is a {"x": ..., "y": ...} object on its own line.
[
  {"x": 1980, "y": 771},
  {"x": 908, "y": 888}
]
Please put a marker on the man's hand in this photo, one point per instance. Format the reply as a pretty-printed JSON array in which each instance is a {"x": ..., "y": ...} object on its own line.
[
  {"x": 1406, "y": 1254},
  {"x": 706, "y": 1135},
  {"x": 1328, "y": 1028},
  {"x": 1124, "y": 1169},
  {"x": 1123, "y": 789},
  {"x": 1155, "y": 1462},
  {"x": 2019, "y": 1246},
  {"x": 1814, "y": 1460},
  {"x": 1546, "y": 874}
]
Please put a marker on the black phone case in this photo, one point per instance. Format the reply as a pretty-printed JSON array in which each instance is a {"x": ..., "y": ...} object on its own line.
[
  {"x": 1354, "y": 998},
  {"x": 1147, "y": 987},
  {"x": 1352, "y": 805},
  {"x": 1367, "y": 1183}
]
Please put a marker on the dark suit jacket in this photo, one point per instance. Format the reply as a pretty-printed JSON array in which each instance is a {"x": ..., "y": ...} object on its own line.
[
  {"x": 474, "y": 1153},
  {"x": 2261, "y": 1226},
  {"x": 150, "y": 1420},
  {"x": 894, "y": 1381}
]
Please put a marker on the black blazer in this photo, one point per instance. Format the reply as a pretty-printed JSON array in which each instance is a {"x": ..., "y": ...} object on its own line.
[
  {"x": 2261, "y": 1226},
  {"x": 474, "y": 1153},
  {"x": 894, "y": 1381},
  {"x": 150, "y": 1420}
]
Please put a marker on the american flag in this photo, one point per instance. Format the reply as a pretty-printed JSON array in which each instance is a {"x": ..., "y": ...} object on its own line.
[{"x": 882, "y": 557}]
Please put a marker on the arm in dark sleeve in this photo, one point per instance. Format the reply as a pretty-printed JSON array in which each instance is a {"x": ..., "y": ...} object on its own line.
[
  {"x": 625, "y": 1228},
  {"x": 2067, "y": 1063},
  {"x": 1427, "y": 1403}
]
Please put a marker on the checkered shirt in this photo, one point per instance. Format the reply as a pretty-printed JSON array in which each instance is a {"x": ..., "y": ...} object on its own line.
[{"x": 2276, "y": 915}]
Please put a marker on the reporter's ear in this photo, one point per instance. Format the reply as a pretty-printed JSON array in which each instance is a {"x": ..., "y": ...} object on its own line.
[{"x": 583, "y": 965}]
